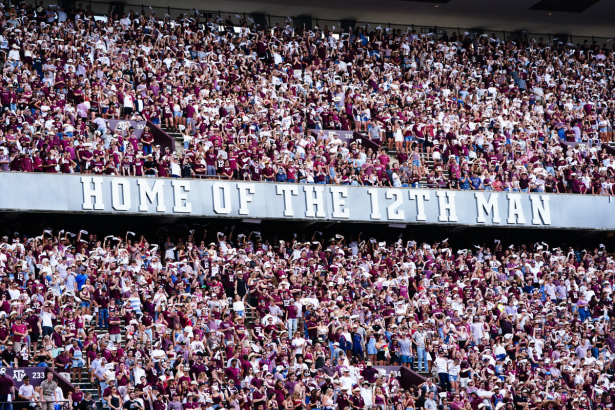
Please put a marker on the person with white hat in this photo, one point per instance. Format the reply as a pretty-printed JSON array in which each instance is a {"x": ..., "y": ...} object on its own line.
[{"x": 14, "y": 54}]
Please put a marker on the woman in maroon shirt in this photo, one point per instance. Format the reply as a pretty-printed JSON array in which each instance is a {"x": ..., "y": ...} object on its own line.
[
  {"x": 524, "y": 182},
  {"x": 50, "y": 163},
  {"x": 66, "y": 164}
]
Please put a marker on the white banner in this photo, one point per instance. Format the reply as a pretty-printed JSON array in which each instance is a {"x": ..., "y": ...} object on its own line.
[{"x": 259, "y": 200}]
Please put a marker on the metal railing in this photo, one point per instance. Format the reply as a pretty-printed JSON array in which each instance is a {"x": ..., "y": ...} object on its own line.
[
  {"x": 30, "y": 402},
  {"x": 103, "y": 8},
  {"x": 27, "y": 404}
]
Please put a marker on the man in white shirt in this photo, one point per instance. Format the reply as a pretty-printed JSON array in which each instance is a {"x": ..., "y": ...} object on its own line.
[
  {"x": 299, "y": 307},
  {"x": 46, "y": 321},
  {"x": 346, "y": 381},
  {"x": 128, "y": 104},
  {"x": 62, "y": 17},
  {"x": 175, "y": 169},
  {"x": 334, "y": 143},
  {"x": 299, "y": 344},
  {"x": 534, "y": 349},
  {"x": 355, "y": 374},
  {"x": 26, "y": 391},
  {"x": 477, "y": 330},
  {"x": 366, "y": 393},
  {"x": 158, "y": 354},
  {"x": 59, "y": 396},
  {"x": 299, "y": 366},
  {"x": 458, "y": 305},
  {"x": 139, "y": 371},
  {"x": 14, "y": 53}
]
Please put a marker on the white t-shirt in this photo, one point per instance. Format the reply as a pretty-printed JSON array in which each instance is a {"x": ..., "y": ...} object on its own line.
[
  {"x": 138, "y": 372},
  {"x": 128, "y": 101},
  {"x": 26, "y": 391},
  {"x": 298, "y": 344},
  {"x": 14, "y": 294},
  {"x": 442, "y": 365},
  {"x": 239, "y": 306},
  {"x": 346, "y": 383},
  {"x": 46, "y": 319}
]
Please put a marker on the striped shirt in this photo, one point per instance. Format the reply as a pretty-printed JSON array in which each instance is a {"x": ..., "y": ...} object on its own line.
[{"x": 135, "y": 304}]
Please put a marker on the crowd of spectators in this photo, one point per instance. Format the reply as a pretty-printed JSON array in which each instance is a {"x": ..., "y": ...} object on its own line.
[
  {"x": 250, "y": 321},
  {"x": 260, "y": 103}
]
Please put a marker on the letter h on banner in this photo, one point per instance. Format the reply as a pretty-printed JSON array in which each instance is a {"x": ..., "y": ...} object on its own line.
[
  {"x": 89, "y": 193},
  {"x": 447, "y": 206},
  {"x": 314, "y": 198}
]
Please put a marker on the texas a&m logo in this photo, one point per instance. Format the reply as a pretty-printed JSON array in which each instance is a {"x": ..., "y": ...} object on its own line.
[{"x": 18, "y": 375}]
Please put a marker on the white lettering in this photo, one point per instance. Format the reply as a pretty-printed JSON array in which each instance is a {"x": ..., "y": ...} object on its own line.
[
  {"x": 89, "y": 193},
  {"x": 314, "y": 198},
  {"x": 220, "y": 208},
  {"x": 244, "y": 190},
  {"x": 180, "y": 187},
  {"x": 150, "y": 194},
  {"x": 515, "y": 210},
  {"x": 420, "y": 197},
  {"x": 338, "y": 204},
  {"x": 287, "y": 191},
  {"x": 540, "y": 209},
  {"x": 447, "y": 206},
  {"x": 373, "y": 196},
  {"x": 392, "y": 212},
  {"x": 125, "y": 203},
  {"x": 489, "y": 207}
]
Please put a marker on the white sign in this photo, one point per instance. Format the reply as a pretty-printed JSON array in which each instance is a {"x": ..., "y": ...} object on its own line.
[{"x": 262, "y": 200}]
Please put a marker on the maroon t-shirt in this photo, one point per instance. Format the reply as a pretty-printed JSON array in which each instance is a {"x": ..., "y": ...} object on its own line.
[
  {"x": 114, "y": 329},
  {"x": 232, "y": 373},
  {"x": 50, "y": 166}
]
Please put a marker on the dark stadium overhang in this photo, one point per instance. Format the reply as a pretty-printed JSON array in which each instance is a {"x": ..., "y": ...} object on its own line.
[
  {"x": 534, "y": 16},
  {"x": 153, "y": 228}
]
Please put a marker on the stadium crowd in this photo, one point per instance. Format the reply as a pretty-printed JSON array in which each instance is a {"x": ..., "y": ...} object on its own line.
[
  {"x": 252, "y": 321},
  {"x": 261, "y": 103}
]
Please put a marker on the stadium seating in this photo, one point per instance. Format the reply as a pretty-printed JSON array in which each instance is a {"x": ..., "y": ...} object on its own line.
[
  {"x": 461, "y": 112},
  {"x": 253, "y": 321}
]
